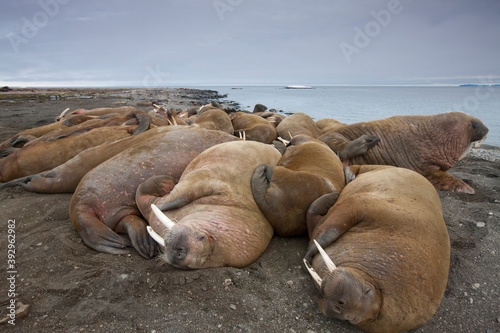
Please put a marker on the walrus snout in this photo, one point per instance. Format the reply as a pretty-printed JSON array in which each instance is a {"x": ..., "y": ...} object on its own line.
[
  {"x": 176, "y": 248},
  {"x": 479, "y": 130}
]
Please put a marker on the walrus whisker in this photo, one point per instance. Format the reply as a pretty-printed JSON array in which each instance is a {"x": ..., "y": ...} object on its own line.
[
  {"x": 155, "y": 236},
  {"x": 328, "y": 262},
  {"x": 162, "y": 217},
  {"x": 313, "y": 273}
]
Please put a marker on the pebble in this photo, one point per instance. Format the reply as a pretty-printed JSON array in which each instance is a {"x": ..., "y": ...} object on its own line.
[
  {"x": 232, "y": 306},
  {"x": 480, "y": 224}
]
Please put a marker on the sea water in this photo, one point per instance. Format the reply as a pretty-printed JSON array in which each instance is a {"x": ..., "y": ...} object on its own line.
[{"x": 356, "y": 104}]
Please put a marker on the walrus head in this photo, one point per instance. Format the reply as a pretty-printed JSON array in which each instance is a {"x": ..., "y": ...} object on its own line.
[
  {"x": 346, "y": 294},
  {"x": 183, "y": 245}
]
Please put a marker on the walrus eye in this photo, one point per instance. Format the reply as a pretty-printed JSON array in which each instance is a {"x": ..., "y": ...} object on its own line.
[{"x": 202, "y": 238}]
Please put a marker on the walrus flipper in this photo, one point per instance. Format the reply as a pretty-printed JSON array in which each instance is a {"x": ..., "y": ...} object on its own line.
[
  {"x": 17, "y": 182},
  {"x": 345, "y": 217},
  {"x": 7, "y": 151},
  {"x": 151, "y": 190},
  {"x": 260, "y": 182},
  {"x": 135, "y": 228},
  {"x": 443, "y": 181},
  {"x": 99, "y": 236},
  {"x": 318, "y": 209},
  {"x": 359, "y": 146},
  {"x": 144, "y": 120}
]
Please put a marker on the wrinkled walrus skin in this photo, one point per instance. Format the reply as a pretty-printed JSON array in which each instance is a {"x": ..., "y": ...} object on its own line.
[
  {"x": 103, "y": 204},
  {"x": 429, "y": 145},
  {"x": 307, "y": 170},
  {"x": 219, "y": 223},
  {"x": 388, "y": 239}
]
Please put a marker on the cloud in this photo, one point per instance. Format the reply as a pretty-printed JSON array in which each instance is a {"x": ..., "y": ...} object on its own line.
[{"x": 255, "y": 42}]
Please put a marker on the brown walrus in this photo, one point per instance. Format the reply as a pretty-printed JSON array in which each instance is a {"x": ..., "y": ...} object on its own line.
[
  {"x": 307, "y": 170},
  {"x": 429, "y": 145},
  {"x": 390, "y": 247},
  {"x": 297, "y": 123},
  {"x": 213, "y": 118},
  {"x": 65, "y": 177},
  {"x": 217, "y": 221},
  {"x": 75, "y": 125},
  {"x": 255, "y": 127},
  {"x": 62, "y": 121},
  {"x": 104, "y": 202},
  {"x": 45, "y": 155}
]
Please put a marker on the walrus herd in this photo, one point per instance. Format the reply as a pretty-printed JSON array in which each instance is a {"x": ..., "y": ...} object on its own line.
[{"x": 209, "y": 187}]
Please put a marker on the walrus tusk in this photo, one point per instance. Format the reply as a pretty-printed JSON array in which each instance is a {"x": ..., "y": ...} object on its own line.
[
  {"x": 162, "y": 217},
  {"x": 59, "y": 117},
  {"x": 155, "y": 236},
  {"x": 285, "y": 142},
  {"x": 243, "y": 135},
  {"x": 328, "y": 262},
  {"x": 64, "y": 112},
  {"x": 313, "y": 273}
]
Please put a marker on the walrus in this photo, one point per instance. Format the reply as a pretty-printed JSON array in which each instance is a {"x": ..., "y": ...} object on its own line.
[
  {"x": 297, "y": 123},
  {"x": 429, "y": 145},
  {"x": 103, "y": 204},
  {"x": 65, "y": 177},
  {"x": 213, "y": 118},
  {"x": 217, "y": 221},
  {"x": 307, "y": 170},
  {"x": 84, "y": 124},
  {"x": 387, "y": 250},
  {"x": 32, "y": 133},
  {"x": 46, "y": 155},
  {"x": 327, "y": 124},
  {"x": 95, "y": 112},
  {"x": 255, "y": 127}
]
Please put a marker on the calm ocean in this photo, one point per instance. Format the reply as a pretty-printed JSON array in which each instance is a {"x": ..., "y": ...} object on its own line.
[{"x": 355, "y": 104}]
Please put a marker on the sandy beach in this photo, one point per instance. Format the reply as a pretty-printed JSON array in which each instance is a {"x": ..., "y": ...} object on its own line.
[{"x": 72, "y": 288}]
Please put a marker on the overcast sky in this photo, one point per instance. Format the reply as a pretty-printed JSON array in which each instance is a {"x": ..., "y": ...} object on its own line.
[{"x": 237, "y": 42}]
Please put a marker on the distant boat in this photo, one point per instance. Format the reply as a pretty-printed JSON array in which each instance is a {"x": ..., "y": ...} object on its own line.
[{"x": 298, "y": 87}]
